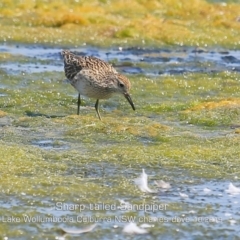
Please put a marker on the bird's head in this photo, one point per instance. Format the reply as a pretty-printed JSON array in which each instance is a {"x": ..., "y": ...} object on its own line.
[{"x": 122, "y": 86}]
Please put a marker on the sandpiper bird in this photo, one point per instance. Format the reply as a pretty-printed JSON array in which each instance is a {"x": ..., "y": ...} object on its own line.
[{"x": 94, "y": 78}]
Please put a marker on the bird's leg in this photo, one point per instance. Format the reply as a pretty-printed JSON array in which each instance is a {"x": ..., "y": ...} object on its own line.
[
  {"x": 79, "y": 103},
  {"x": 96, "y": 107}
]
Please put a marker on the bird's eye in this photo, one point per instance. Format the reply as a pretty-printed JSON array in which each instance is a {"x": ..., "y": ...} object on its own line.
[{"x": 121, "y": 85}]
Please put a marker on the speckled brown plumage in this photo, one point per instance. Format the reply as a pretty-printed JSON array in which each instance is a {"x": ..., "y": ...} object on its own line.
[{"x": 94, "y": 78}]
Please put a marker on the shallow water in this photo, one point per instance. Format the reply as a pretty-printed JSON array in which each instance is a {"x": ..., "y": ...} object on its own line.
[
  {"x": 157, "y": 61},
  {"x": 52, "y": 159}
]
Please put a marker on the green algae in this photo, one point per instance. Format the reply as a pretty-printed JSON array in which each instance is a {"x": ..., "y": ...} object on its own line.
[{"x": 44, "y": 110}]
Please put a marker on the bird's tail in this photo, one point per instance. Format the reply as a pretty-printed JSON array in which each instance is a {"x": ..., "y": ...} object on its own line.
[
  {"x": 71, "y": 64},
  {"x": 68, "y": 56}
]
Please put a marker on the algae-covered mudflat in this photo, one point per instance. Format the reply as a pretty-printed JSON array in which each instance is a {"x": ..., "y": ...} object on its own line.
[
  {"x": 62, "y": 171},
  {"x": 185, "y": 131},
  {"x": 106, "y": 22}
]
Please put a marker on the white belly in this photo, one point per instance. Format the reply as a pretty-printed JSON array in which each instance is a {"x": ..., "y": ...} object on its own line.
[{"x": 90, "y": 90}]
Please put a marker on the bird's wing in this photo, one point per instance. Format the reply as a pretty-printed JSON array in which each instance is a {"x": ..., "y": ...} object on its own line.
[
  {"x": 95, "y": 78},
  {"x": 86, "y": 74},
  {"x": 73, "y": 64}
]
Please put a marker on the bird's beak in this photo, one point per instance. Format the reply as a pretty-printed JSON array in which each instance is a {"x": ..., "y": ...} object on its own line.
[{"x": 127, "y": 96}]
